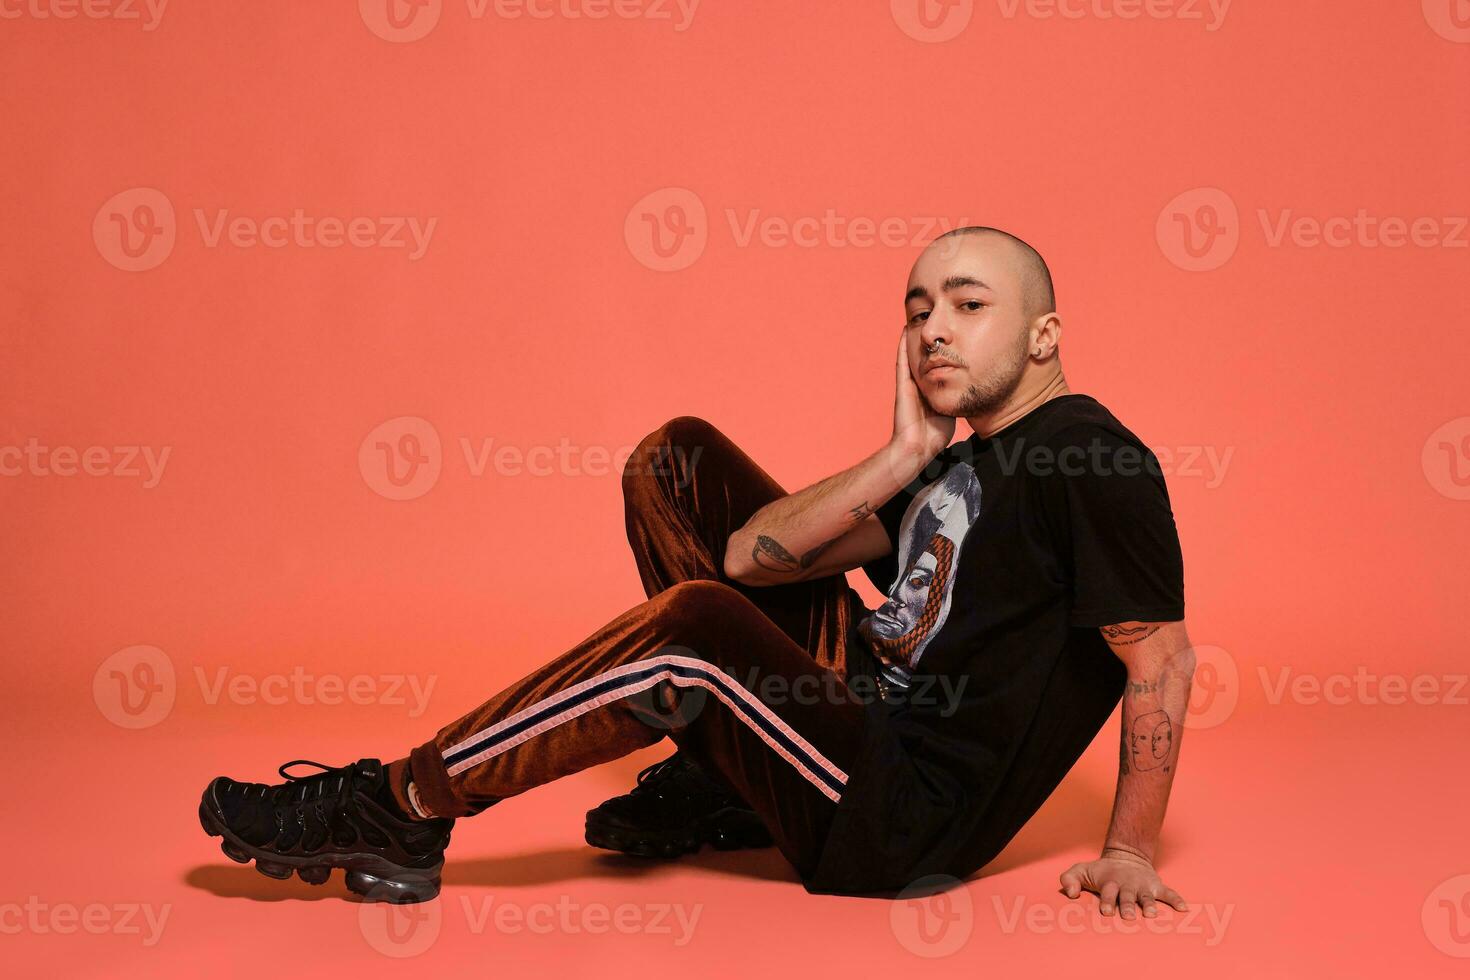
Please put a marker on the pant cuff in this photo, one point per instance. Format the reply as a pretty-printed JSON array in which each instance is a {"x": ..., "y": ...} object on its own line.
[{"x": 426, "y": 769}]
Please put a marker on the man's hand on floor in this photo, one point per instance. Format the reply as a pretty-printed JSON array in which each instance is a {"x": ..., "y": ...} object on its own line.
[{"x": 1123, "y": 881}]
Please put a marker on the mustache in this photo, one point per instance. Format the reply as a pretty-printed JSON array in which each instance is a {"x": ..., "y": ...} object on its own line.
[{"x": 935, "y": 351}]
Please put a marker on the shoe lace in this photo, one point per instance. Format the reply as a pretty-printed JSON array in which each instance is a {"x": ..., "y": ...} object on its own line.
[
  {"x": 316, "y": 786},
  {"x": 652, "y": 778}
]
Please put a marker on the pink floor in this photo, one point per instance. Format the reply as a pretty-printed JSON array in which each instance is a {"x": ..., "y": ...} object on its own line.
[{"x": 1292, "y": 868}]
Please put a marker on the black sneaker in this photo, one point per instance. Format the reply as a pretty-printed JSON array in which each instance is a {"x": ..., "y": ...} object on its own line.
[
  {"x": 675, "y": 809},
  {"x": 337, "y": 818}
]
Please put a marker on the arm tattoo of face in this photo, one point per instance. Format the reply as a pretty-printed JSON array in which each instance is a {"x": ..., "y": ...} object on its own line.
[
  {"x": 1150, "y": 740},
  {"x": 1121, "y": 636}
]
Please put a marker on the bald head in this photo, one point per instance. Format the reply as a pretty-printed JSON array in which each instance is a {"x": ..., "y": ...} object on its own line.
[{"x": 1038, "y": 295}]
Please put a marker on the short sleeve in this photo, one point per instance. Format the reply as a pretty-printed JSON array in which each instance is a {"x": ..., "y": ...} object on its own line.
[
  {"x": 881, "y": 571},
  {"x": 1107, "y": 501}
]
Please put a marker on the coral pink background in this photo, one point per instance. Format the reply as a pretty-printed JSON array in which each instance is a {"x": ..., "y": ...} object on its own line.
[{"x": 1332, "y": 542}]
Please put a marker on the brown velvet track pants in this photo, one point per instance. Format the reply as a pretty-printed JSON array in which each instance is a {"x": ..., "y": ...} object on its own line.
[{"x": 748, "y": 681}]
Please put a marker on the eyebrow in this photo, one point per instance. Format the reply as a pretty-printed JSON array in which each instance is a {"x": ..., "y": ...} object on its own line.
[{"x": 952, "y": 283}]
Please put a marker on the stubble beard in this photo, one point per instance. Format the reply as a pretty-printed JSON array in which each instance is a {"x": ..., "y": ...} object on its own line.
[{"x": 992, "y": 391}]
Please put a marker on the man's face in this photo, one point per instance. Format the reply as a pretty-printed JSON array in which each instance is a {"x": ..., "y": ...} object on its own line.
[
  {"x": 966, "y": 293},
  {"x": 899, "y": 614}
]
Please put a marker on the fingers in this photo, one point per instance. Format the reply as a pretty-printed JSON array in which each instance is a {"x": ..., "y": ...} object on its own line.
[
  {"x": 1174, "y": 899},
  {"x": 1128, "y": 903},
  {"x": 1072, "y": 881},
  {"x": 1107, "y": 898},
  {"x": 1147, "y": 906}
]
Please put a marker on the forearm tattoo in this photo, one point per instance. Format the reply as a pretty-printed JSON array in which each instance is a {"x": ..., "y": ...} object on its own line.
[
  {"x": 1150, "y": 741},
  {"x": 773, "y": 556},
  {"x": 1122, "y": 636}
]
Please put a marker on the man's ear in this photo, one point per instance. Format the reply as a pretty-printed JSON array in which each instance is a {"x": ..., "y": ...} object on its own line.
[{"x": 1045, "y": 335}]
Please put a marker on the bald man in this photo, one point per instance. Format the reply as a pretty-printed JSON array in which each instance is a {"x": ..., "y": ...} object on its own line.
[{"x": 1033, "y": 577}]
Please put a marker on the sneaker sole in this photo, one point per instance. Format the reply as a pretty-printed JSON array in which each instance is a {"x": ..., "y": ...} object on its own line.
[
  {"x": 368, "y": 875},
  {"x": 730, "y": 829}
]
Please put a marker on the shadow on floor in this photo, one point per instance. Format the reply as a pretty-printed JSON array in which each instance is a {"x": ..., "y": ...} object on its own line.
[
  {"x": 1075, "y": 816},
  {"x": 510, "y": 870}
]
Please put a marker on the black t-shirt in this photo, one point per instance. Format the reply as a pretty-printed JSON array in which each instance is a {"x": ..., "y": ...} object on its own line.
[{"x": 1014, "y": 549}]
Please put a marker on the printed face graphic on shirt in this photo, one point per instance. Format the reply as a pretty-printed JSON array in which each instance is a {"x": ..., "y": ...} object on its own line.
[{"x": 930, "y": 536}]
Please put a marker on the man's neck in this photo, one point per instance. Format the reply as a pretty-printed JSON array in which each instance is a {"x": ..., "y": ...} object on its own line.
[{"x": 1025, "y": 401}]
